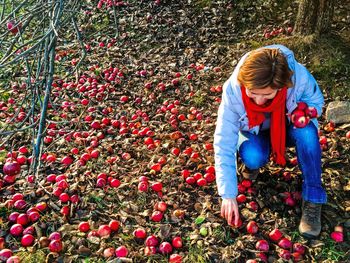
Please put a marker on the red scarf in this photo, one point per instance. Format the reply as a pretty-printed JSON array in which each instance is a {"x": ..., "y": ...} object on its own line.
[{"x": 278, "y": 121}]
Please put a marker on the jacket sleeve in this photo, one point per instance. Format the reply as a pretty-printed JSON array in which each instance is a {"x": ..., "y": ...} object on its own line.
[
  {"x": 311, "y": 93},
  {"x": 225, "y": 144}
]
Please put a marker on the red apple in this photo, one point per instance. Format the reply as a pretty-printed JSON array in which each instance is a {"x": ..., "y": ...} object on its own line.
[
  {"x": 140, "y": 233},
  {"x": 296, "y": 114},
  {"x": 253, "y": 205},
  {"x": 143, "y": 186},
  {"x": 297, "y": 257},
  {"x": 160, "y": 206},
  {"x": 202, "y": 182},
  {"x": 157, "y": 186},
  {"x": 151, "y": 241},
  {"x": 285, "y": 243},
  {"x": 300, "y": 248},
  {"x": 16, "y": 230},
  {"x": 67, "y": 160},
  {"x": 108, "y": 252},
  {"x": 84, "y": 226},
  {"x": 252, "y": 227},
  {"x": 241, "y": 198},
  {"x": 150, "y": 250},
  {"x": 55, "y": 236},
  {"x": 22, "y": 219},
  {"x": 114, "y": 225},
  {"x": 177, "y": 242},
  {"x": 11, "y": 26},
  {"x": 275, "y": 235},
  {"x": 311, "y": 112},
  {"x": 165, "y": 248},
  {"x": 262, "y": 256},
  {"x": 347, "y": 135},
  {"x": 2, "y": 243},
  {"x": 337, "y": 236},
  {"x": 5, "y": 254},
  {"x": 13, "y": 217},
  {"x": 27, "y": 240},
  {"x": 64, "y": 197},
  {"x": 323, "y": 140},
  {"x": 301, "y": 122},
  {"x": 34, "y": 216},
  {"x": 157, "y": 216},
  {"x": 104, "y": 231},
  {"x": 11, "y": 168},
  {"x": 55, "y": 246},
  {"x": 302, "y": 106},
  {"x": 246, "y": 183},
  {"x": 290, "y": 201},
  {"x": 285, "y": 254},
  {"x": 262, "y": 245},
  {"x": 121, "y": 252},
  {"x": 175, "y": 258}
]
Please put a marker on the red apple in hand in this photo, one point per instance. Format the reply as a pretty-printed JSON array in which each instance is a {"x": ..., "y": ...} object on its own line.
[
  {"x": 311, "y": 112},
  {"x": 301, "y": 122},
  {"x": 302, "y": 106}
]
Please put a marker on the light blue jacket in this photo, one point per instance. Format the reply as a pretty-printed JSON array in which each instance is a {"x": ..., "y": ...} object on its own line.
[{"x": 232, "y": 118}]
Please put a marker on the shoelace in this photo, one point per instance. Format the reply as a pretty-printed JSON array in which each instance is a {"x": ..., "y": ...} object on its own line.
[{"x": 311, "y": 212}]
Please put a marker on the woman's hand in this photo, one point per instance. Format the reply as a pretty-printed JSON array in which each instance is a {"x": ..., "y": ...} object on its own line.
[{"x": 229, "y": 209}]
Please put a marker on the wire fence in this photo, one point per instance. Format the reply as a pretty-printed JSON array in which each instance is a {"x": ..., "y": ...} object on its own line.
[{"x": 29, "y": 35}]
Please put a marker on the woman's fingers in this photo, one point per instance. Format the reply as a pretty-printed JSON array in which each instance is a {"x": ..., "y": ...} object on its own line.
[
  {"x": 229, "y": 215},
  {"x": 235, "y": 209},
  {"x": 228, "y": 209},
  {"x": 223, "y": 209}
]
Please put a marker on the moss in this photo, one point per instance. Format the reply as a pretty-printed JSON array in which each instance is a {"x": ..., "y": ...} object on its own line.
[
  {"x": 196, "y": 254},
  {"x": 203, "y": 3},
  {"x": 28, "y": 257},
  {"x": 199, "y": 99}
]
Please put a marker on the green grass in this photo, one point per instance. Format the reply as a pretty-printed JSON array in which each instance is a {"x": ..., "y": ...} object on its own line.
[
  {"x": 3, "y": 154},
  {"x": 196, "y": 254},
  {"x": 4, "y": 95},
  {"x": 141, "y": 200},
  {"x": 199, "y": 99},
  {"x": 37, "y": 256},
  {"x": 91, "y": 260},
  {"x": 203, "y": 3},
  {"x": 97, "y": 200},
  {"x": 221, "y": 233},
  {"x": 331, "y": 252}
]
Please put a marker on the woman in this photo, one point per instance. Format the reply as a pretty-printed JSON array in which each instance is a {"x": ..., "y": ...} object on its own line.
[{"x": 253, "y": 119}]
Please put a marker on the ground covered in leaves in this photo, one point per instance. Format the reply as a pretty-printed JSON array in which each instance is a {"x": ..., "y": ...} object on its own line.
[{"x": 147, "y": 101}]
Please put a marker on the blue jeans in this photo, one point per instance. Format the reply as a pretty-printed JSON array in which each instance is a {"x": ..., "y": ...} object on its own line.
[{"x": 254, "y": 151}]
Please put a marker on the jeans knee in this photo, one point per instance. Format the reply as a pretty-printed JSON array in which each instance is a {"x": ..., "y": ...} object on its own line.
[
  {"x": 252, "y": 155},
  {"x": 307, "y": 136}
]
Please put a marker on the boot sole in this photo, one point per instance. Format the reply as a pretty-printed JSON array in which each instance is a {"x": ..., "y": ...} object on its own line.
[{"x": 308, "y": 236}]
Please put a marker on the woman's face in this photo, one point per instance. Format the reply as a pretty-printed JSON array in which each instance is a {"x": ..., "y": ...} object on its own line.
[{"x": 261, "y": 96}]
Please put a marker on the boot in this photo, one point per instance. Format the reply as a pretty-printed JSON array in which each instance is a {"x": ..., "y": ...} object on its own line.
[
  {"x": 250, "y": 174},
  {"x": 310, "y": 223}
]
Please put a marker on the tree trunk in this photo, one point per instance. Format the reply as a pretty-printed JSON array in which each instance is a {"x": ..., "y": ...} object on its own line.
[{"x": 314, "y": 17}]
